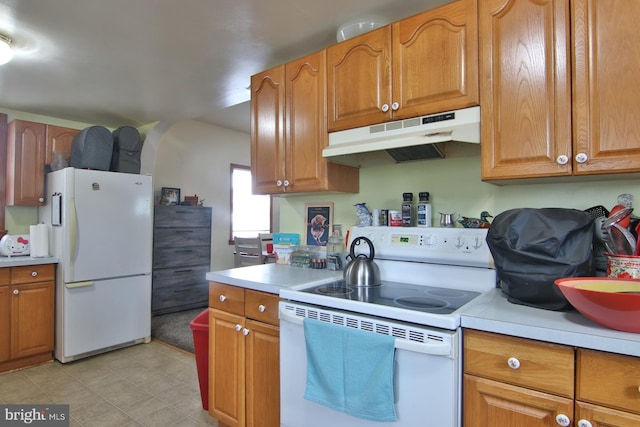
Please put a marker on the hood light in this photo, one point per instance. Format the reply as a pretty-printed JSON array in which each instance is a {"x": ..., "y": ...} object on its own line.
[{"x": 5, "y": 49}]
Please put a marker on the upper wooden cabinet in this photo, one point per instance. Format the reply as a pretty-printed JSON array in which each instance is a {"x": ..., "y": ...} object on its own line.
[
  {"x": 288, "y": 131},
  {"x": 59, "y": 140},
  {"x": 25, "y": 163},
  {"x": 556, "y": 90},
  {"x": 424, "y": 64}
]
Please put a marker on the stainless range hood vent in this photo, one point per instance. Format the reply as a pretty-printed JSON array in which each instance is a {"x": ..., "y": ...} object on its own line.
[{"x": 400, "y": 141}]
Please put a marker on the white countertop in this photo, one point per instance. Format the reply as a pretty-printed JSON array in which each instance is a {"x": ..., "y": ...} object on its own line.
[
  {"x": 272, "y": 277},
  {"x": 18, "y": 261},
  {"x": 491, "y": 312}
]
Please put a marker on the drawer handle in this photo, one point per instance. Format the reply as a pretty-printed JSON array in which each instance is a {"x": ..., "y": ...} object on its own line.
[
  {"x": 223, "y": 298},
  {"x": 261, "y": 308},
  {"x": 183, "y": 231},
  {"x": 16, "y": 292},
  {"x": 181, "y": 290},
  {"x": 563, "y": 420},
  {"x": 183, "y": 271},
  {"x": 34, "y": 273},
  {"x": 184, "y": 251},
  {"x": 584, "y": 423},
  {"x": 238, "y": 327},
  {"x": 245, "y": 332},
  {"x": 513, "y": 363}
]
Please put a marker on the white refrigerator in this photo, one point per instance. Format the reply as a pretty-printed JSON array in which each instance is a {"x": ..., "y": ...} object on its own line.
[{"x": 101, "y": 226}]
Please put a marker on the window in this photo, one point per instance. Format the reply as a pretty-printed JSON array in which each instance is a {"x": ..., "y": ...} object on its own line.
[{"x": 250, "y": 214}]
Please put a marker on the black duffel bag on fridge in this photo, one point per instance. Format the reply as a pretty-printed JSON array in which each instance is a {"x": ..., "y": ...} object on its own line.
[{"x": 533, "y": 247}]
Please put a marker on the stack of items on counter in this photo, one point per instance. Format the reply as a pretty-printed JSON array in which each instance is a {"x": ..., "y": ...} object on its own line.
[
  {"x": 410, "y": 214},
  {"x": 288, "y": 250}
]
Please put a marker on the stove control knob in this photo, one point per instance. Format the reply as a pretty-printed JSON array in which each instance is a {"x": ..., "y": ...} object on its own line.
[
  {"x": 431, "y": 241},
  {"x": 513, "y": 363}
]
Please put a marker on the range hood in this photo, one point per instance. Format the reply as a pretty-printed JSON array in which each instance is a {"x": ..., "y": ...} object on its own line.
[{"x": 418, "y": 138}]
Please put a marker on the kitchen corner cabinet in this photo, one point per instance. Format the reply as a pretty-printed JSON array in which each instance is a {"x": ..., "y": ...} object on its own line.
[
  {"x": 181, "y": 258},
  {"x": 26, "y": 315},
  {"x": 59, "y": 140},
  {"x": 25, "y": 163},
  {"x": 420, "y": 65},
  {"x": 244, "y": 357},
  {"x": 557, "y": 96},
  {"x": 511, "y": 381},
  {"x": 288, "y": 131}
]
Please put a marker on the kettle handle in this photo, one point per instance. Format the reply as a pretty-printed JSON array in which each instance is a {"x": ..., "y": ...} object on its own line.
[{"x": 355, "y": 242}]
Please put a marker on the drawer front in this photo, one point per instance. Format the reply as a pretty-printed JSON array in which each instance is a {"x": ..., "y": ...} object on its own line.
[
  {"x": 227, "y": 298},
  {"x": 179, "y": 296},
  {"x": 180, "y": 257},
  {"x": 183, "y": 237},
  {"x": 609, "y": 379},
  {"x": 182, "y": 216},
  {"x": 32, "y": 274},
  {"x": 527, "y": 363},
  {"x": 5, "y": 276},
  {"x": 169, "y": 277},
  {"x": 261, "y": 306}
]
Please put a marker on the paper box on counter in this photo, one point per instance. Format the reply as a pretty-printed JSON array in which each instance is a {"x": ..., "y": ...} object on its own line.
[{"x": 283, "y": 253}]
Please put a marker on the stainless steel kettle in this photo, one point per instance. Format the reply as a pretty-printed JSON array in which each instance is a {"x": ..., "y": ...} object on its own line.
[{"x": 361, "y": 270}]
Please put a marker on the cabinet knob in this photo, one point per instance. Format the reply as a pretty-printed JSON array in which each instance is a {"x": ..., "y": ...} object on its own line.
[
  {"x": 41, "y": 200},
  {"x": 385, "y": 108},
  {"x": 16, "y": 292},
  {"x": 222, "y": 298},
  {"x": 584, "y": 423},
  {"x": 238, "y": 327},
  {"x": 513, "y": 363},
  {"x": 286, "y": 182},
  {"x": 562, "y": 159},
  {"x": 395, "y": 106},
  {"x": 261, "y": 308},
  {"x": 279, "y": 183},
  {"x": 563, "y": 420},
  {"x": 582, "y": 158},
  {"x": 34, "y": 273},
  {"x": 245, "y": 332}
]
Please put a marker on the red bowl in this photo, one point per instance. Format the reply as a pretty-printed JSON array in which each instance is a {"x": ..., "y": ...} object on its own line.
[{"x": 614, "y": 303}]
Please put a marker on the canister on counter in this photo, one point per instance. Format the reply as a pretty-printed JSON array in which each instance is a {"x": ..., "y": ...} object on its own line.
[
  {"x": 384, "y": 217},
  {"x": 395, "y": 218}
]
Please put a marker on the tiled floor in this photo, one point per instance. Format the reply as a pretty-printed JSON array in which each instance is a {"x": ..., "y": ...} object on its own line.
[{"x": 143, "y": 385}]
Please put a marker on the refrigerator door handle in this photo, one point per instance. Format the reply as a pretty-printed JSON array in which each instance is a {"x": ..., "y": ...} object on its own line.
[
  {"x": 73, "y": 228},
  {"x": 78, "y": 284}
]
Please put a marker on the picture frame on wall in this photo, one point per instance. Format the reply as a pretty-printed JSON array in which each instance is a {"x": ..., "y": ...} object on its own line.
[
  {"x": 318, "y": 220},
  {"x": 170, "y": 196}
]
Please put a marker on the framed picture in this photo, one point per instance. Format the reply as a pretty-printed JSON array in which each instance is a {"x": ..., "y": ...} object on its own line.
[
  {"x": 318, "y": 219},
  {"x": 170, "y": 196}
]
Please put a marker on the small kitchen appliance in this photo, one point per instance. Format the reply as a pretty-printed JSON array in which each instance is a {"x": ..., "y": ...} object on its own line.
[
  {"x": 428, "y": 277},
  {"x": 14, "y": 245}
]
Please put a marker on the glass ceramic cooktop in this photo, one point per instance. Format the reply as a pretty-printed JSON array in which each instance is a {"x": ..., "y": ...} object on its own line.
[{"x": 427, "y": 299}]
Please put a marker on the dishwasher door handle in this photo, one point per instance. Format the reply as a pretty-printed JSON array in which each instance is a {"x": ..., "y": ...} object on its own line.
[{"x": 435, "y": 348}]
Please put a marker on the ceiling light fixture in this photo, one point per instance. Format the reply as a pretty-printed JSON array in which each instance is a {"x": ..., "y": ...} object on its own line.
[{"x": 5, "y": 49}]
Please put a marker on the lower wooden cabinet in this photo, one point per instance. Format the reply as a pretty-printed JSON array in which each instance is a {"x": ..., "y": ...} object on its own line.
[
  {"x": 26, "y": 315},
  {"x": 511, "y": 381},
  {"x": 244, "y": 357}
]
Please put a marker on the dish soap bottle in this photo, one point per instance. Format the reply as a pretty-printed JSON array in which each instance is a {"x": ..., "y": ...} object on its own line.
[
  {"x": 407, "y": 210},
  {"x": 336, "y": 255},
  {"x": 424, "y": 209}
]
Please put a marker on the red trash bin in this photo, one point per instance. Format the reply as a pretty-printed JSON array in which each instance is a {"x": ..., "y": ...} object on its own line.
[{"x": 200, "y": 327}]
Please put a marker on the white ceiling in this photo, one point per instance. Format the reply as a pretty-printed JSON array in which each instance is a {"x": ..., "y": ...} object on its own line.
[{"x": 133, "y": 62}]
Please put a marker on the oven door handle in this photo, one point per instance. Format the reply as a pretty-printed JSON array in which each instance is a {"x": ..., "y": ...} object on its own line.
[{"x": 436, "y": 349}]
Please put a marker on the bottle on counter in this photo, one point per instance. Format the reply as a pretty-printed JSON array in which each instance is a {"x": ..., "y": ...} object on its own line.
[
  {"x": 336, "y": 249},
  {"x": 408, "y": 212},
  {"x": 424, "y": 210}
]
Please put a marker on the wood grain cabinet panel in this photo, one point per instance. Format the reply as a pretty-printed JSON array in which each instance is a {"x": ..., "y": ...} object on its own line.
[
  {"x": 25, "y": 163},
  {"x": 59, "y": 140},
  {"x": 181, "y": 258}
]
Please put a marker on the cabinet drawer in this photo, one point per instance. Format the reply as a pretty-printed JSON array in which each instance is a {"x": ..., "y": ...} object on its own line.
[
  {"x": 181, "y": 237},
  {"x": 180, "y": 257},
  {"x": 531, "y": 364},
  {"x": 176, "y": 216},
  {"x": 5, "y": 276},
  {"x": 227, "y": 298},
  {"x": 261, "y": 306},
  {"x": 168, "y": 277},
  {"x": 32, "y": 274},
  {"x": 608, "y": 379},
  {"x": 179, "y": 295}
]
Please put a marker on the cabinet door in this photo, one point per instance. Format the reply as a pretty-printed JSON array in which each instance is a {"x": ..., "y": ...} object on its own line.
[
  {"x": 25, "y": 163},
  {"x": 267, "y": 131},
  {"x": 606, "y": 106},
  {"x": 525, "y": 92},
  {"x": 263, "y": 375},
  {"x": 227, "y": 368},
  {"x": 5, "y": 323},
  {"x": 493, "y": 404},
  {"x": 59, "y": 140},
  {"x": 599, "y": 416},
  {"x": 32, "y": 310},
  {"x": 359, "y": 80},
  {"x": 435, "y": 60}
]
